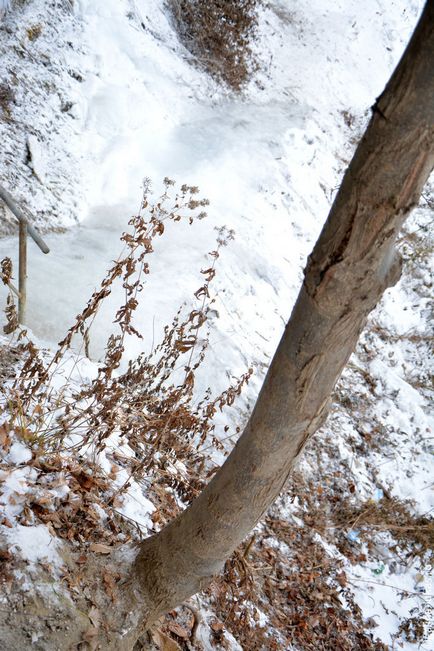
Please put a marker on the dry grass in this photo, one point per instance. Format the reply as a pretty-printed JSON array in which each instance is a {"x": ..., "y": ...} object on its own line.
[
  {"x": 34, "y": 31},
  {"x": 218, "y": 34},
  {"x": 152, "y": 405},
  {"x": 7, "y": 97}
]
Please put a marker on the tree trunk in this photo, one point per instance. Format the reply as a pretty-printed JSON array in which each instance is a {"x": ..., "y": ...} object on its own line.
[{"x": 352, "y": 264}]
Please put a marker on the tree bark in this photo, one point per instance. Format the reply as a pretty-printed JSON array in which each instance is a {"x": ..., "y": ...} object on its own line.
[{"x": 352, "y": 264}]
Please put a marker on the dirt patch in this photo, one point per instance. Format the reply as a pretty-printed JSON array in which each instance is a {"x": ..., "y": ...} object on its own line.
[{"x": 9, "y": 358}]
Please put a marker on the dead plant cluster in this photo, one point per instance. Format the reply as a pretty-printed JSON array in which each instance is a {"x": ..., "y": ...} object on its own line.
[
  {"x": 413, "y": 535},
  {"x": 284, "y": 576},
  {"x": 7, "y": 98},
  {"x": 417, "y": 628},
  {"x": 218, "y": 34},
  {"x": 288, "y": 579},
  {"x": 284, "y": 589},
  {"x": 149, "y": 408},
  {"x": 10, "y": 309},
  {"x": 337, "y": 512}
]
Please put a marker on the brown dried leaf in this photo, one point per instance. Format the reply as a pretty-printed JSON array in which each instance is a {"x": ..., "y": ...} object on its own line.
[
  {"x": 217, "y": 627},
  {"x": 5, "y": 555},
  {"x": 5, "y": 440},
  {"x": 109, "y": 584},
  {"x": 95, "y": 617},
  {"x": 341, "y": 578},
  {"x": 184, "y": 345},
  {"x": 164, "y": 642},
  {"x": 6, "y": 270},
  {"x": 99, "y": 548},
  {"x": 16, "y": 498},
  {"x": 178, "y": 630}
]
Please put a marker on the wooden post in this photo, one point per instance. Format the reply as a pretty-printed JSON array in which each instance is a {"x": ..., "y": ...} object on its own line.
[
  {"x": 22, "y": 272},
  {"x": 25, "y": 228}
]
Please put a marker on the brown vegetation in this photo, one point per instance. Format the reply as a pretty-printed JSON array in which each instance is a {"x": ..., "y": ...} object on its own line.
[{"x": 218, "y": 34}]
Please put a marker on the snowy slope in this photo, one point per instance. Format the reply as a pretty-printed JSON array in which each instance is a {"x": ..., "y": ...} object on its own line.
[{"x": 269, "y": 161}]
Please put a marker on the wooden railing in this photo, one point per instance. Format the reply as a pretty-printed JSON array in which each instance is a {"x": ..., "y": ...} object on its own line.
[{"x": 25, "y": 228}]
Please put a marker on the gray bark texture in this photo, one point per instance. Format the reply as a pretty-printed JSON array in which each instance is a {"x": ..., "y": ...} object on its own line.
[{"x": 352, "y": 264}]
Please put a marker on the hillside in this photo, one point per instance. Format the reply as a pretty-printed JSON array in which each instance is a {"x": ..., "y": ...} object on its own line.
[{"x": 97, "y": 96}]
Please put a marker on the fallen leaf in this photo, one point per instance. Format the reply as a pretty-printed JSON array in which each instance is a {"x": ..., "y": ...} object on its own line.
[
  {"x": 217, "y": 627},
  {"x": 341, "y": 578},
  {"x": 95, "y": 617},
  {"x": 4, "y": 436},
  {"x": 47, "y": 499},
  {"x": 5, "y": 555},
  {"x": 164, "y": 642},
  {"x": 99, "y": 548},
  {"x": 118, "y": 501},
  {"x": 178, "y": 630},
  {"x": 109, "y": 584},
  {"x": 16, "y": 498}
]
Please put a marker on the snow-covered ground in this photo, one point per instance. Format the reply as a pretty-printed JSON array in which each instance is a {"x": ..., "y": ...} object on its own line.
[
  {"x": 269, "y": 161},
  {"x": 117, "y": 100}
]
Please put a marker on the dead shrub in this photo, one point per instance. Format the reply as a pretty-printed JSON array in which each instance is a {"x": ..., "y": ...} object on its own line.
[
  {"x": 7, "y": 98},
  {"x": 34, "y": 31},
  {"x": 417, "y": 629},
  {"x": 152, "y": 406},
  {"x": 218, "y": 35},
  {"x": 10, "y": 309}
]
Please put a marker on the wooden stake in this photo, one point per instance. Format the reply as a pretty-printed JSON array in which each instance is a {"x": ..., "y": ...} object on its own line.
[{"x": 22, "y": 272}]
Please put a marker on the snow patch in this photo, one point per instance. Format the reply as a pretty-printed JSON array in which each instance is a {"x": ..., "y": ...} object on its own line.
[
  {"x": 19, "y": 453},
  {"x": 34, "y": 544}
]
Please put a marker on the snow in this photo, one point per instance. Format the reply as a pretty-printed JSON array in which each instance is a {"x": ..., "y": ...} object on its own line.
[
  {"x": 136, "y": 506},
  {"x": 203, "y": 634},
  {"x": 376, "y": 586},
  {"x": 254, "y": 157},
  {"x": 38, "y": 162},
  {"x": 35, "y": 544},
  {"x": 19, "y": 453},
  {"x": 270, "y": 161}
]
